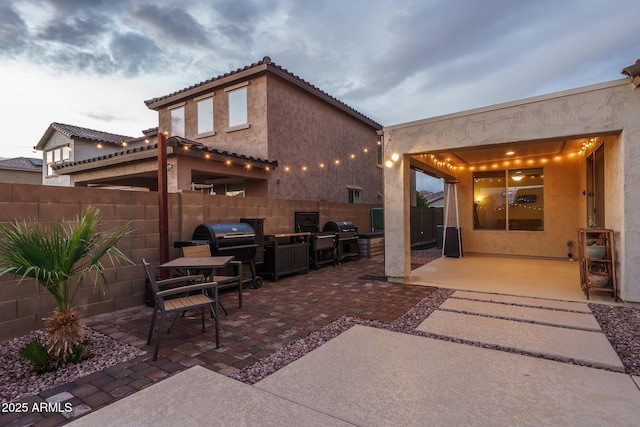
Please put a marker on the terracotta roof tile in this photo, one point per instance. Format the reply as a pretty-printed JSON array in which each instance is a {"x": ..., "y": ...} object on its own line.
[
  {"x": 176, "y": 142},
  {"x": 90, "y": 134},
  {"x": 274, "y": 68}
]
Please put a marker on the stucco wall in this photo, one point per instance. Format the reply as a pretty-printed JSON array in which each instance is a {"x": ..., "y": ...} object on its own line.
[
  {"x": 20, "y": 176},
  {"x": 22, "y": 307},
  {"x": 304, "y": 132},
  {"x": 251, "y": 141},
  {"x": 607, "y": 108}
]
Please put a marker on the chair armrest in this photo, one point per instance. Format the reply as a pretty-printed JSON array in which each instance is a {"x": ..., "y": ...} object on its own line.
[
  {"x": 188, "y": 288},
  {"x": 180, "y": 279}
]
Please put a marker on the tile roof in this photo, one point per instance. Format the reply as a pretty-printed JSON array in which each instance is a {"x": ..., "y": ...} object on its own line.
[
  {"x": 266, "y": 64},
  {"x": 24, "y": 163},
  {"x": 72, "y": 131},
  {"x": 121, "y": 154},
  {"x": 633, "y": 72},
  {"x": 175, "y": 141},
  {"x": 435, "y": 196},
  {"x": 219, "y": 154}
]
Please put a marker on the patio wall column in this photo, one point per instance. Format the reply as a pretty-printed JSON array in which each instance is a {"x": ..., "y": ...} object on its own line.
[{"x": 397, "y": 260}]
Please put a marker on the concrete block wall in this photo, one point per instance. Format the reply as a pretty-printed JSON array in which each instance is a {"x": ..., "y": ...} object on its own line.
[{"x": 23, "y": 306}]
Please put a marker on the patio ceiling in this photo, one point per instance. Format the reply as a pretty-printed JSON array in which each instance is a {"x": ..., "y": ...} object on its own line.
[{"x": 443, "y": 164}]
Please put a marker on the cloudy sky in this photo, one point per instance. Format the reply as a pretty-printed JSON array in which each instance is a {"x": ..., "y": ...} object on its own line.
[{"x": 92, "y": 63}]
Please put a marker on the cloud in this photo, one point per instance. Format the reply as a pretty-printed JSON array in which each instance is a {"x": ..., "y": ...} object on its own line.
[
  {"x": 13, "y": 32},
  {"x": 134, "y": 54},
  {"x": 172, "y": 24}
]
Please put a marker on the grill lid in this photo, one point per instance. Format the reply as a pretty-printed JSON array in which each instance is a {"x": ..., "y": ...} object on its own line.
[
  {"x": 225, "y": 234},
  {"x": 307, "y": 222},
  {"x": 340, "y": 226}
]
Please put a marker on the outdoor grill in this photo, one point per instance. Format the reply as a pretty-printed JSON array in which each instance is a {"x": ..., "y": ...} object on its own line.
[
  {"x": 231, "y": 239},
  {"x": 322, "y": 246},
  {"x": 347, "y": 238}
]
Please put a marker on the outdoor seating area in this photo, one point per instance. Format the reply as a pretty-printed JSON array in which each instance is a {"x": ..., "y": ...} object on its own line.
[{"x": 283, "y": 321}]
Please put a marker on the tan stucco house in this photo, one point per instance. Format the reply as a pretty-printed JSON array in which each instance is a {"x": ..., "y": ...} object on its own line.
[
  {"x": 529, "y": 173},
  {"x": 259, "y": 131},
  {"x": 21, "y": 170}
]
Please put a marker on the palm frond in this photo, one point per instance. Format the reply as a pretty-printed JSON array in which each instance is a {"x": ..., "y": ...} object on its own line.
[{"x": 53, "y": 255}]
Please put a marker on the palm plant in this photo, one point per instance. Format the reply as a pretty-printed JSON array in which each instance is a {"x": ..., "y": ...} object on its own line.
[{"x": 54, "y": 257}]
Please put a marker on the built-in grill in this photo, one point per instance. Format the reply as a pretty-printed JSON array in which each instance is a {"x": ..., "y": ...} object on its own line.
[
  {"x": 347, "y": 238},
  {"x": 322, "y": 246},
  {"x": 237, "y": 239}
]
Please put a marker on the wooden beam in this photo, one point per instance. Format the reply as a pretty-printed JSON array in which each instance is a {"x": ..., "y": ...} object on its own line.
[{"x": 163, "y": 198}]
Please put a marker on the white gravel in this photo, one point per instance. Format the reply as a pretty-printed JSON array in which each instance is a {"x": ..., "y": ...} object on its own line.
[{"x": 19, "y": 381}]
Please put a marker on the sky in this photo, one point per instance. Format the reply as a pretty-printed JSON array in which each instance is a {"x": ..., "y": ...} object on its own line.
[{"x": 93, "y": 63}]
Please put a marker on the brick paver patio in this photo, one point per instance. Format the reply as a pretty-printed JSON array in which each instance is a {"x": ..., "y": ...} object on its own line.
[{"x": 273, "y": 316}]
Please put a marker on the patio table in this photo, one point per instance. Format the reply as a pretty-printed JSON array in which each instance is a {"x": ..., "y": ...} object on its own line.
[
  {"x": 208, "y": 263},
  {"x": 197, "y": 263}
]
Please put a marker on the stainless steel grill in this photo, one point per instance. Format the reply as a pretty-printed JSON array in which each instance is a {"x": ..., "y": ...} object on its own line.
[
  {"x": 322, "y": 246},
  {"x": 346, "y": 238}
]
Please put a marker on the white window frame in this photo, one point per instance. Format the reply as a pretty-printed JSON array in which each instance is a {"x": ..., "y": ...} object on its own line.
[
  {"x": 56, "y": 156},
  {"x": 209, "y": 130},
  {"x": 173, "y": 129},
  {"x": 354, "y": 195},
  {"x": 234, "y": 95}
]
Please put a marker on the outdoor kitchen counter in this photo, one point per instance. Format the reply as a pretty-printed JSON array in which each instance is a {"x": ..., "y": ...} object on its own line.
[
  {"x": 286, "y": 253},
  {"x": 288, "y": 235}
]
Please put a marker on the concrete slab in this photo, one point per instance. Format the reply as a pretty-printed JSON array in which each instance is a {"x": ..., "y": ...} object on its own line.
[
  {"x": 538, "y": 315},
  {"x": 512, "y": 276},
  {"x": 200, "y": 397},
  {"x": 567, "y": 344},
  {"x": 372, "y": 377},
  {"x": 527, "y": 301}
]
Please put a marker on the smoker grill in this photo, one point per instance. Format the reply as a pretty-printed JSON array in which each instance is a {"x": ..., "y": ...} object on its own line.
[
  {"x": 232, "y": 239},
  {"x": 347, "y": 238},
  {"x": 322, "y": 246}
]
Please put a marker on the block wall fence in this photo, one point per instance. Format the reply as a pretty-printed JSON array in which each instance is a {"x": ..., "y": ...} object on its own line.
[{"x": 24, "y": 305}]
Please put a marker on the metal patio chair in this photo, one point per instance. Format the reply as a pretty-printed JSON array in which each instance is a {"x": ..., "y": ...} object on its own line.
[
  {"x": 232, "y": 280},
  {"x": 207, "y": 297}
]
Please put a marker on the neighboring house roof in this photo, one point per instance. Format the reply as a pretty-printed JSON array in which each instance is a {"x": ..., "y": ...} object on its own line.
[
  {"x": 633, "y": 72},
  {"x": 432, "y": 197},
  {"x": 250, "y": 70},
  {"x": 71, "y": 131},
  {"x": 22, "y": 163},
  {"x": 134, "y": 154}
]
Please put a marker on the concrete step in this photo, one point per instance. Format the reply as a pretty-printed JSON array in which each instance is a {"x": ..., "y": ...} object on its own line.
[
  {"x": 537, "y": 315},
  {"x": 588, "y": 347}
]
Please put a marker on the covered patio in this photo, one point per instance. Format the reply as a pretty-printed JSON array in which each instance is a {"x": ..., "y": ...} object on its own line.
[
  {"x": 528, "y": 174},
  {"x": 539, "y": 278}
]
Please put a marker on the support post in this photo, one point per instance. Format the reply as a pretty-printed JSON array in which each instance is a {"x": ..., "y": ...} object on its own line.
[{"x": 163, "y": 199}]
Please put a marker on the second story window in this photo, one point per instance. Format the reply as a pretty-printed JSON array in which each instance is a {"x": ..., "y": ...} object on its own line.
[
  {"x": 205, "y": 116},
  {"x": 177, "y": 121},
  {"x": 237, "y": 107},
  {"x": 57, "y": 155}
]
